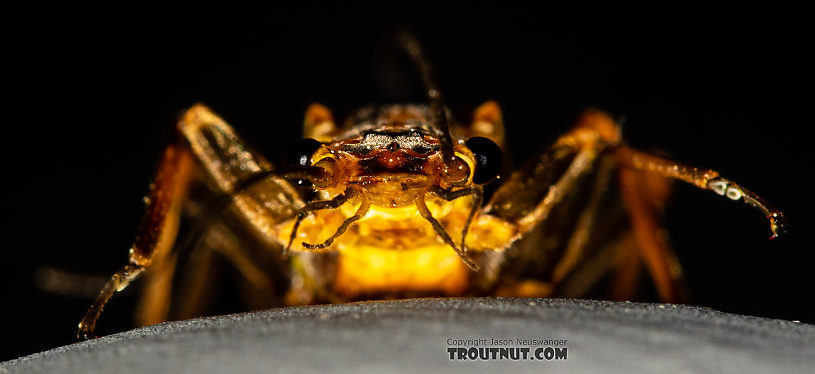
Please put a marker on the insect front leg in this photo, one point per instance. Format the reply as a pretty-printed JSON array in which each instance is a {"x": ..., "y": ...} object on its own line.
[
  {"x": 209, "y": 152},
  {"x": 334, "y": 203},
  {"x": 439, "y": 229},
  {"x": 478, "y": 195}
]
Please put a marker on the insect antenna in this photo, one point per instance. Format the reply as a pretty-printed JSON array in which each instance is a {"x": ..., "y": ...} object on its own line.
[{"x": 412, "y": 47}]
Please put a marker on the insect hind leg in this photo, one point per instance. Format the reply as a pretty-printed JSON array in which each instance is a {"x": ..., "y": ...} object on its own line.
[
  {"x": 157, "y": 233},
  {"x": 705, "y": 179},
  {"x": 117, "y": 282},
  {"x": 205, "y": 147},
  {"x": 643, "y": 196}
]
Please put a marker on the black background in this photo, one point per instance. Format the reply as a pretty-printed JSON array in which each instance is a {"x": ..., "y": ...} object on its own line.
[{"x": 91, "y": 93}]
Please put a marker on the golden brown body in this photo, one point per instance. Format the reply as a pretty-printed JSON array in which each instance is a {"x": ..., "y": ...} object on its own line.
[{"x": 397, "y": 209}]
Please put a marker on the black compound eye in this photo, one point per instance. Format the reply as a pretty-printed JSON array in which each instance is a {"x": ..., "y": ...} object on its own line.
[
  {"x": 299, "y": 154},
  {"x": 488, "y": 159}
]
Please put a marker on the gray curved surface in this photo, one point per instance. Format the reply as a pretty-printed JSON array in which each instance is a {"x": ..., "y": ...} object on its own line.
[{"x": 412, "y": 335}]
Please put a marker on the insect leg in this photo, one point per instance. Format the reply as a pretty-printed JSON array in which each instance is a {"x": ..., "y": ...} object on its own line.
[
  {"x": 441, "y": 232},
  {"x": 157, "y": 233},
  {"x": 566, "y": 183},
  {"x": 155, "y": 300},
  {"x": 361, "y": 212},
  {"x": 226, "y": 167},
  {"x": 533, "y": 191},
  {"x": 703, "y": 178},
  {"x": 594, "y": 267},
  {"x": 576, "y": 246},
  {"x": 334, "y": 203},
  {"x": 628, "y": 270},
  {"x": 199, "y": 273},
  {"x": 478, "y": 198},
  {"x": 643, "y": 195},
  {"x": 117, "y": 282}
]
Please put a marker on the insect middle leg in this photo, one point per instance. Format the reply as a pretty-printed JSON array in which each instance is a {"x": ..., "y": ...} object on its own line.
[
  {"x": 577, "y": 240},
  {"x": 538, "y": 187},
  {"x": 224, "y": 250},
  {"x": 534, "y": 197}
]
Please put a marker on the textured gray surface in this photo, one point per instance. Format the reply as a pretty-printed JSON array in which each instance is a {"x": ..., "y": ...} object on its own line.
[{"x": 412, "y": 335}]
